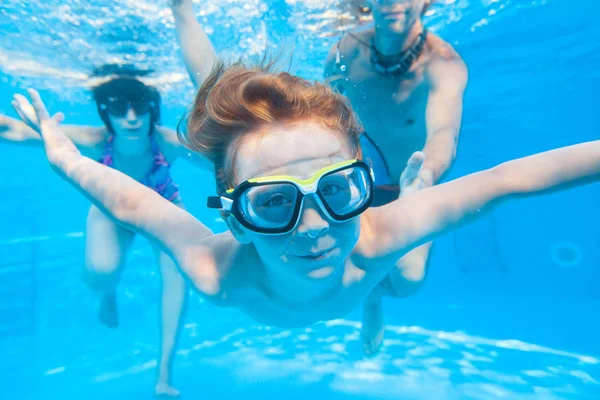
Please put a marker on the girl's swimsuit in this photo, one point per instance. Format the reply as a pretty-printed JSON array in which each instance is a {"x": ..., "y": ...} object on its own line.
[{"x": 157, "y": 178}]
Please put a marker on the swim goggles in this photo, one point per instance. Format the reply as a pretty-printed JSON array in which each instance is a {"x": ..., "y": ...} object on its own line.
[
  {"x": 115, "y": 96},
  {"x": 117, "y": 106},
  {"x": 273, "y": 204}
]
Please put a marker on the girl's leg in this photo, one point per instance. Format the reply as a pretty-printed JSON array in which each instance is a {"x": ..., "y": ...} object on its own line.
[
  {"x": 106, "y": 249},
  {"x": 174, "y": 296}
]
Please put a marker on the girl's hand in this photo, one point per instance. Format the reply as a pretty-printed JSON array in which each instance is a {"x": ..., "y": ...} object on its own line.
[{"x": 57, "y": 145}]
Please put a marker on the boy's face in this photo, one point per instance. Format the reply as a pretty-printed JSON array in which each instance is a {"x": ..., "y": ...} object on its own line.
[{"x": 318, "y": 245}]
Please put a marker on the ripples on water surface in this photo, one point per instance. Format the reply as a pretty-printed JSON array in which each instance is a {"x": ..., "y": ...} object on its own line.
[{"x": 55, "y": 45}]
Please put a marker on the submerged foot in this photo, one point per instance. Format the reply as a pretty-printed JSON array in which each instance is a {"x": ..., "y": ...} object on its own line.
[
  {"x": 108, "y": 310},
  {"x": 163, "y": 389},
  {"x": 372, "y": 331}
]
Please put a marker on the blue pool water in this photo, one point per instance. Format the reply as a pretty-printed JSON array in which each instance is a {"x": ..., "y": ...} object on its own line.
[{"x": 510, "y": 310}]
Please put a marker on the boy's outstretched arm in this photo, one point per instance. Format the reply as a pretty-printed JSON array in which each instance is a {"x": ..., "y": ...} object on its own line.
[{"x": 416, "y": 219}]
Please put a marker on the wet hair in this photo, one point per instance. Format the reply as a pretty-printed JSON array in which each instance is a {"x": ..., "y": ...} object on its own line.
[
  {"x": 124, "y": 82},
  {"x": 237, "y": 100}
]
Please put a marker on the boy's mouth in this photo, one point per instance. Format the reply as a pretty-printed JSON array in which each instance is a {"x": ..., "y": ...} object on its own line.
[{"x": 315, "y": 256}]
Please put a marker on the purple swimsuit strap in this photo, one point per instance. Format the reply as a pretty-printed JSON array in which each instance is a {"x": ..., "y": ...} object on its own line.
[{"x": 158, "y": 177}]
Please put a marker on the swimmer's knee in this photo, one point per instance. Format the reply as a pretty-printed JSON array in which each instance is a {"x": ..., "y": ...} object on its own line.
[
  {"x": 409, "y": 275},
  {"x": 414, "y": 276},
  {"x": 101, "y": 275},
  {"x": 104, "y": 266},
  {"x": 407, "y": 283}
]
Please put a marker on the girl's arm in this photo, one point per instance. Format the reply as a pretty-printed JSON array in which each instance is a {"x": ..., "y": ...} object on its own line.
[{"x": 86, "y": 138}]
